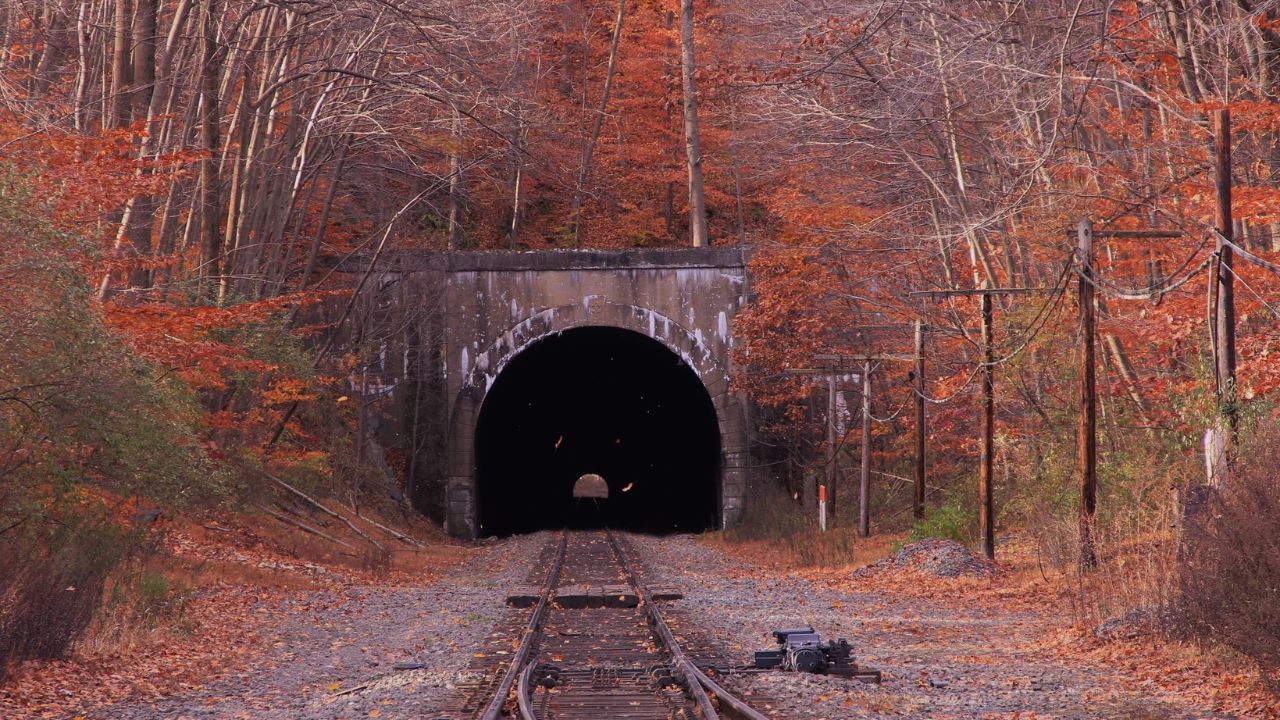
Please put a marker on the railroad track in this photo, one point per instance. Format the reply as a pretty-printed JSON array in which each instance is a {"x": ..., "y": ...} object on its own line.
[{"x": 594, "y": 645}]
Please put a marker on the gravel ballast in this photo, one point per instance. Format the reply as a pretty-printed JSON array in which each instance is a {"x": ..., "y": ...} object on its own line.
[
  {"x": 939, "y": 659},
  {"x": 333, "y": 654}
]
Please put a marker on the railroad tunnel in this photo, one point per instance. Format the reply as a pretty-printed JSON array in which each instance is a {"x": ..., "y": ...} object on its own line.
[{"x": 604, "y": 401}]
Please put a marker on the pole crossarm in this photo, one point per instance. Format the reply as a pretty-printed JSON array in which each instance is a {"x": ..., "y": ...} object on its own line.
[
  {"x": 806, "y": 371},
  {"x": 873, "y": 357},
  {"x": 1153, "y": 234},
  {"x": 982, "y": 291}
]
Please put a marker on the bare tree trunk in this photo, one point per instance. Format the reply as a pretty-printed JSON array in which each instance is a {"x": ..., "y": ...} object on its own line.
[
  {"x": 144, "y": 78},
  {"x": 120, "y": 64},
  {"x": 455, "y": 180},
  {"x": 144, "y": 55},
  {"x": 54, "y": 48},
  {"x": 517, "y": 152},
  {"x": 692, "y": 141},
  {"x": 978, "y": 256},
  {"x": 154, "y": 88},
  {"x": 211, "y": 241},
  {"x": 82, "y": 68},
  {"x": 588, "y": 148}
]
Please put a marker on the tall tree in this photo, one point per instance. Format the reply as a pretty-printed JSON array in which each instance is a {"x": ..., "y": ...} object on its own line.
[
  {"x": 597, "y": 122},
  {"x": 210, "y": 181},
  {"x": 692, "y": 138}
]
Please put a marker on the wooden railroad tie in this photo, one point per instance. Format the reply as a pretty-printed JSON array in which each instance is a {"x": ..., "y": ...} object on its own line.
[{"x": 592, "y": 596}]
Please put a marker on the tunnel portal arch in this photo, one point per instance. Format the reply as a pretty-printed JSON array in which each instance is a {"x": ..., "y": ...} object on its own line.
[{"x": 498, "y": 306}]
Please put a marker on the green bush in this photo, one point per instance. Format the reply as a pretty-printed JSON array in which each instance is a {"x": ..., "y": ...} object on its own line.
[
  {"x": 771, "y": 515},
  {"x": 84, "y": 426},
  {"x": 951, "y": 521}
]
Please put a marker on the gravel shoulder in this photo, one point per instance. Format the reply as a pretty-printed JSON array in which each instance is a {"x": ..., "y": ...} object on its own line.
[
  {"x": 332, "y": 653},
  {"x": 954, "y": 650},
  {"x": 948, "y": 647}
]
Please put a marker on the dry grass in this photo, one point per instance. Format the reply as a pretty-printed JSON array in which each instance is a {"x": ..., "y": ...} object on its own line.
[
  {"x": 1137, "y": 571},
  {"x": 838, "y": 548},
  {"x": 149, "y": 603},
  {"x": 1229, "y": 584}
]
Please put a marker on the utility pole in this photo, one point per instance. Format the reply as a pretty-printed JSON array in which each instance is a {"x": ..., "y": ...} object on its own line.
[
  {"x": 864, "y": 368},
  {"x": 1087, "y": 397},
  {"x": 1087, "y": 438},
  {"x": 832, "y": 366},
  {"x": 828, "y": 492},
  {"x": 986, "y": 503},
  {"x": 986, "y": 500},
  {"x": 864, "y": 481},
  {"x": 827, "y": 489},
  {"x": 1225, "y": 317},
  {"x": 917, "y": 505}
]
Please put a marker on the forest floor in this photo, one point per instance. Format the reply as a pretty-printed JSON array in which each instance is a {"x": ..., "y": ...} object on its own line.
[{"x": 273, "y": 629}]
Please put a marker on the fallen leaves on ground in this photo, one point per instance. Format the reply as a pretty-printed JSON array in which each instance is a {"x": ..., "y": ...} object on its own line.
[{"x": 243, "y": 577}]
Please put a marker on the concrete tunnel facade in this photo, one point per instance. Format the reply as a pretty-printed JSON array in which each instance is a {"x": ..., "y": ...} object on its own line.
[{"x": 554, "y": 364}]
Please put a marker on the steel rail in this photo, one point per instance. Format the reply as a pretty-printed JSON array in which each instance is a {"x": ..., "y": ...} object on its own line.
[
  {"x": 522, "y": 691},
  {"x": 726, "y": 697},
  {"x": 681, "y": 663},
  {"x": 701, "y": 681},
  {"x": 531, "y": 632}
]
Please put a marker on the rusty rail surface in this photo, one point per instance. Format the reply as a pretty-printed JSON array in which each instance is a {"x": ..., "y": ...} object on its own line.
[
  {"x": 610, "y": 656},
  {"x": 494, "y": 710},
  {"x": 703, "y": 683}
]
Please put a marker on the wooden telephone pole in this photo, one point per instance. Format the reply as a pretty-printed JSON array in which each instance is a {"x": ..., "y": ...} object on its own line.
[
  {"x": 917, "y": 504},
  {"x": 831, "y": 366},
  {"x": 864, "y": 472},
  {"x": 1087, "y": 430},
  {"x": 1087, "y": 437},
  {"x": 986, "y": 500},
  {"x": 827, "y": 490},
  {"x": 864, "y": 476},
  {"x": 1225, "y": 317},
  {"x": 986, "y": 506}
]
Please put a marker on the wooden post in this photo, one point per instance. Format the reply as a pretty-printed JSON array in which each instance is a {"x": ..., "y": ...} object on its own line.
[
  {"x": 986, "y": 503},
  {"x": 917, "y": 505},
  {"x": 1087, "y": 438},
  {"x": 864, "y": 485},
  {"x": 830, "y": 365},
  {"x": 986, "y": 506},
  {"x": 1225, "y": 320},
  {"x": 831, "y": 441}
]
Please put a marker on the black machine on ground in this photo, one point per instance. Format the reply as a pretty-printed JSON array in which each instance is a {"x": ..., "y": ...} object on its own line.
[{"x": 803, "y": 650}]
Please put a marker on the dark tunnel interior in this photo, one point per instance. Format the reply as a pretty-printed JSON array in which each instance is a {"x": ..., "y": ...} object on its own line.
[{"x": 597, "y": 400}]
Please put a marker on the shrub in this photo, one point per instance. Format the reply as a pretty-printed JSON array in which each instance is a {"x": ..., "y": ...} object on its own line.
[
  {"x": 85, "y": 425},
  {"x": 1230, "y": 569},
  {"x": 951, "y": 521},
  {"x": 54, "y": 577}
]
